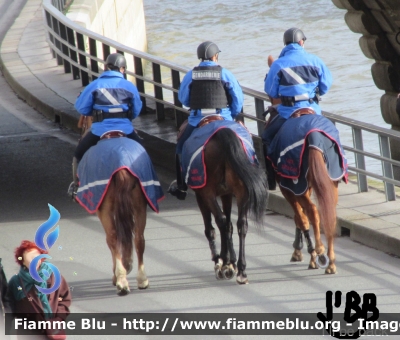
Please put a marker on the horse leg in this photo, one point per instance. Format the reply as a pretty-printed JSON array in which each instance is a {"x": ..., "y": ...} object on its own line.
[
  {"x": 230, "y": 268},
  {"x": 105, "y": 214},
  {"x": 209, "y": 231},
  {"x": 331, "y": 269},
  {"x": 313, "y": 216},
  {"x": 140, "y": 213},
  {"x": 302, "y": 225},
  {"x": 242, "y": 227}
]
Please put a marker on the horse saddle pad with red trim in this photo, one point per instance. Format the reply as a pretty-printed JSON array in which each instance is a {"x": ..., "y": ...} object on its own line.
[
  {"x": 289, "y": 151},
  {"x": 193, "y": 167},
  {"x": 103, "y": 160}
]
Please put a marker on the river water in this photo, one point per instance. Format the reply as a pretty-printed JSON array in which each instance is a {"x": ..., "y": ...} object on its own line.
[{"x": 247, "y": 31}]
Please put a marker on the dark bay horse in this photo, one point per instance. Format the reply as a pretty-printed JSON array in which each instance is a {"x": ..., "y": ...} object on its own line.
[{"x": 230, "y": 174}]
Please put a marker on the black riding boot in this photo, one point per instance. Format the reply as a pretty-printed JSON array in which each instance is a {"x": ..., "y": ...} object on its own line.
[
  {"x": 270, "y": 171},
  {"x": 178, "y": 188}
]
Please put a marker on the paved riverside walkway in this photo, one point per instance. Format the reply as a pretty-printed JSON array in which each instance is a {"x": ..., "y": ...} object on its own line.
[{"x": 30, "y": 69}]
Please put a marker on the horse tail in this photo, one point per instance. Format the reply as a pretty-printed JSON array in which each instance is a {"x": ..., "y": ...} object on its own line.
[
  {"x": 123, "y": 212},
  {"x": 319, "y": 180},
  {"x": 252, "y": 176}
]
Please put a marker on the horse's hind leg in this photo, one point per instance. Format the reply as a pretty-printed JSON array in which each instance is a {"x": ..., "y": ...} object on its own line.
[
  {"x": 331, "y": 269},
  {"x": 105, "y": 214},
  {"x": 313, "y": 216},
  {"x": 209, "y": 231},
  {"x": 242, "y": 227},
  {"x": 230, "y": 268},
  {"x": 302, "y": 226},
  {"x": 139, "y": 211}
]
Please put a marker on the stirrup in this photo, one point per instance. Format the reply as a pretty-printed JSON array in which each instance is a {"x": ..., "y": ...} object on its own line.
[
  {"x": 72, "y": 190},
  {"x": 174, "y": 190}
]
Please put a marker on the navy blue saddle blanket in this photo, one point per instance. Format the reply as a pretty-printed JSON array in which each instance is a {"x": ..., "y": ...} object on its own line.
[
  {"x": 193, "y": 167},
  {"x": 289, "y": 152},
  {"x": 101, "y": 161}
]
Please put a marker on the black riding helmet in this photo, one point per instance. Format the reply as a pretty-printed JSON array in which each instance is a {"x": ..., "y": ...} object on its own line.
[
  {"x": 115, "y": 60},
  {"x": 207, "y": 50},
  {"x": 293, "y": 35}
]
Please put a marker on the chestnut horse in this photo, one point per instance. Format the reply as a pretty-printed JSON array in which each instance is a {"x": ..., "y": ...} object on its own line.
[
  {"x": 230, "y": 174},
  {"x": 123, "y": 213},
  {"x": 305, "y": 212}
]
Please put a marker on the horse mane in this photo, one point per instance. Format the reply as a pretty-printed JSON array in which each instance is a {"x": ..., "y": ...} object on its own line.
[
  {"x": 322, "y": 185},
  {"x": 251, "y": 175},
  {"x": 124, "y": 182}
]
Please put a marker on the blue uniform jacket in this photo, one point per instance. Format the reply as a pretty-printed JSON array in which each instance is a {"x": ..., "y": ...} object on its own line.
[
  {"x": 111, "y": 92},
  {"x": 231, "y": 84},
  {"x": 297, "y": 73}
]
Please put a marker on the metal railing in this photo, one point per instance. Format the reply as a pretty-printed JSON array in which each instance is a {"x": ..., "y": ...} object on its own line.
[
  {"x": 83, "y": 52},
  {"x": 60, "y": 4}
]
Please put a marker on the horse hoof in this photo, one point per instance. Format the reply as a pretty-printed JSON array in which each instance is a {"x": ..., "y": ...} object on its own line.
[
  {"x": 330, "y": 270},
  {"x": 296, "y": 258},
  {"x": 322, "y": 261},
  {"x": 312, "y": 266},
  {"x": 144, "y": 284},
  {"x": 218, "y": 274},
  {"x": 217, "y": 270},
  {"x": 122, "y": 291},
  {"x": 242, "y": 280},
  {"x": 228, "y": 272}
]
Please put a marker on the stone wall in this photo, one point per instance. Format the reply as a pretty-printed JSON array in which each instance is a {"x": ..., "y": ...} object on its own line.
[
  {"x": 121, "y": 20},
  {"x": 379, "y": 23}
]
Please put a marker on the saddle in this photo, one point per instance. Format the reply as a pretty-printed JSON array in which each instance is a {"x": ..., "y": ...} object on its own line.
[
  {"x": 112, "y": 134},
  {"x": 204, "y": 121},
  {"x": 301, "y": 112}
]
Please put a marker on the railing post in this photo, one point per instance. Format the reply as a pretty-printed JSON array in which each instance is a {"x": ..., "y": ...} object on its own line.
[
  {"x": 259, "y": 105},
  {"x": 64, "y": 48},
  {"x": 139, "y": 82},
  {"x": 387, "y": 169},
  {"x": 82, "y": 58},
  {"x": 72, "y": 53},
  {"x": 93, "y": 52},
  {"x": 158, "y": 92},
  {"x": 176, "y": 82},
  {"x": 49, "y": 23},
  {"x": 359, "y": 159},
  {"x": 56, "y": 29},
  {"x": 106, "y": 51}
]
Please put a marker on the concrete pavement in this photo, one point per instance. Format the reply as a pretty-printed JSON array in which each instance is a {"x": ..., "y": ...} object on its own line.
[{"x": 29, "y": 68}]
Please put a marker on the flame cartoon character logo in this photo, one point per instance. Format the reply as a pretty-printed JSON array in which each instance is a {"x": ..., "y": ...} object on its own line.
[{"x": 40, "y": 242}]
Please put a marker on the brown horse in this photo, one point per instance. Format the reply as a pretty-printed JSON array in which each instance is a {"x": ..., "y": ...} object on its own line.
[
  {"x": 305, "y": 212},
  {"x": 123, "y": 216},
  {"x": 123, "y": 213},
  {"x": 230, "y": 174}
]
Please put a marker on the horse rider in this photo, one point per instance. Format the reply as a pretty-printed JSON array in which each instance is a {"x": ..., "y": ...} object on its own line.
[
  {"x": 113, "y": 102},
  {"x": 297, "y": 78},
  {"x": 208, "y": 89}
]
